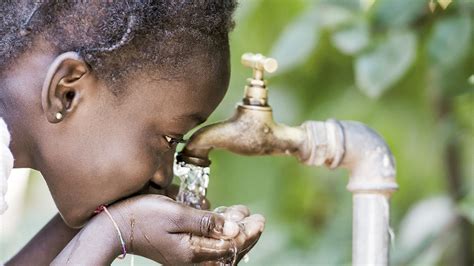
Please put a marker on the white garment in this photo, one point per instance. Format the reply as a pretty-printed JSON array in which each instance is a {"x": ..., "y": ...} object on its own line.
[{"x": 6, "y": 163}]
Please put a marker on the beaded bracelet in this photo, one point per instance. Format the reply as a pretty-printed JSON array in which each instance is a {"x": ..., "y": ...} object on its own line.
[{"x": 122, "y": 242}]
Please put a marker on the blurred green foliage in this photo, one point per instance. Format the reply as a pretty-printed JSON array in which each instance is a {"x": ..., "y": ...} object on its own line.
[{"x": 395, "y": 66}]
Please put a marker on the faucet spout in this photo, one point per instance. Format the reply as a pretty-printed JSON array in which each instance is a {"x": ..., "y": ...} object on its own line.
[
  {"x": 352, "y": 145},
  {"x": 251, "y": 131}
]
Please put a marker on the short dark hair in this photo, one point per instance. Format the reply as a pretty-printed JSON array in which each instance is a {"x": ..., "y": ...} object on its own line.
[{"x": 111, "y": 34}]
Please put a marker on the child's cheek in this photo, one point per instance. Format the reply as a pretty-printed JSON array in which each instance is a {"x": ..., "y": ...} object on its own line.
[{"x": 133, "y": 170}]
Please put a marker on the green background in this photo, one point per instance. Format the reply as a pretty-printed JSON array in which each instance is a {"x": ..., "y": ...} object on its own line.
[{"x": 394, "y": 65}]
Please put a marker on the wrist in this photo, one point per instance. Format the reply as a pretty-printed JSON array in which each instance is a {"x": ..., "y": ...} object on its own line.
[
  {"x": 107, "y": 235},
  {"x": 96, "y": 244},
  {"x": 122, "y": 226}
]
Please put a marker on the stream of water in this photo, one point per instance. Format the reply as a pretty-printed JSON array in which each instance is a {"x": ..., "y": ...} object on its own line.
[
  {"x": 194, "y": 182},
  {"x": 192, "y": 192}
]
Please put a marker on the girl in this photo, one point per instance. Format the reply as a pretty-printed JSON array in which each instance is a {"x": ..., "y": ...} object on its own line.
[{"x": 96, "y": 97}]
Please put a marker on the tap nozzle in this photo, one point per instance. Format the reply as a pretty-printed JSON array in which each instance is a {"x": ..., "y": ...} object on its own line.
[{"x": 256, "y": 92}]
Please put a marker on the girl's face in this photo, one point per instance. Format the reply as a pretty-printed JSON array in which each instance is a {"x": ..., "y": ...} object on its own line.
[{"x": 111, "y": 146}]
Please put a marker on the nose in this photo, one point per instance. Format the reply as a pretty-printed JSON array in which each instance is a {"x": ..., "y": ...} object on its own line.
[{"x": 164, "y": 174}]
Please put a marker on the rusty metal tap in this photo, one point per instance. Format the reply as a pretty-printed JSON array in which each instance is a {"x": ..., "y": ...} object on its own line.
[
  {"x": 347, "y": 144},
  {"x": 251, "y": 130}
]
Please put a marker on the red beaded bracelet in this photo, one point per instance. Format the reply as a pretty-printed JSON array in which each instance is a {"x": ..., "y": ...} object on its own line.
[{"x": 122, "y": 242}]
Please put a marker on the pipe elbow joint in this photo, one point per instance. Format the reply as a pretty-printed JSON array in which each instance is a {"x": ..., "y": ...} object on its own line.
[
  {"x": 369, "y": 159},
  {"x": 354, "y": 146}
]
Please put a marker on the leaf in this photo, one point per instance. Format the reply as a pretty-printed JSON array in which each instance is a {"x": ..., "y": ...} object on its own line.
[
  {"x": 367, "y": 4},
  {"x": 416, "y": 226},
  {"x": 432, "y": 6},
  {"x": 418, "y": 232},
  {"x": 352, "y": 38},
  {"x": 450, "y": 41},
  {"x": 346, "y": 4},
  {"x": 444, "y": 3},
  {"x": 398, "y": 13},
  {"x": 297, "y": 41},
  {"x": 382, "y": 66},
  {"x": 332, "y": 16}
]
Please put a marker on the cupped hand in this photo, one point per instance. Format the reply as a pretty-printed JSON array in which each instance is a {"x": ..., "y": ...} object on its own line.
[
  {"x": 168, "y": 232},
  {"x": 251, "y": 227},
  {"x": 172, "y": 192}
]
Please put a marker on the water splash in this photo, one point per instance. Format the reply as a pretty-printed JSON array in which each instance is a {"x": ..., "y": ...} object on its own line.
[
  {"x": 192, "y": 192},
  {"x": 194, "y": 182}
]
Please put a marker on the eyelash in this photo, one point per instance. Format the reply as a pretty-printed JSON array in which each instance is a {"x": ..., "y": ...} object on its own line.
[{"x": 173, "y": 142}]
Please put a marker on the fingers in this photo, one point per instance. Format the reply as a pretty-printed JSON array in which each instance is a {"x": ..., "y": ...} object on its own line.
[
  {"x": 241, "y": 208},
  {"x": 205, "y": 223},
  {"x": 251, "y": 229},
  {"x": 209, "y": 249},
  {"x": 204, "y": 244},
  {"x": 253, "y": 224},
  {"x": 234, "y": 213},
  {"x": 244, "y": 251}
]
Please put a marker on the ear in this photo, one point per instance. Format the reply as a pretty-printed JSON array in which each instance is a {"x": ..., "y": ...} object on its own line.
[{"x": 66, "y": 79}]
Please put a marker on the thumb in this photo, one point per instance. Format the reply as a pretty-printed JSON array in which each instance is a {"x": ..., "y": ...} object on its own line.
[{"x": 208, "y": 224}]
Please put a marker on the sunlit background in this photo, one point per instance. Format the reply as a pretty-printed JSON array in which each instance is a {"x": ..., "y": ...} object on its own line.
[{"x": 403, "y": 67}]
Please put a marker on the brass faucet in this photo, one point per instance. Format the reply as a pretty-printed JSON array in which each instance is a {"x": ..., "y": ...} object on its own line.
[
  {"x": 251, "y": 130},
  {"x": 348, "y": 144}
]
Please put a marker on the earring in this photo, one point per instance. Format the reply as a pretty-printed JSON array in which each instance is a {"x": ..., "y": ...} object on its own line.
[{"x": 59, "y": 116}]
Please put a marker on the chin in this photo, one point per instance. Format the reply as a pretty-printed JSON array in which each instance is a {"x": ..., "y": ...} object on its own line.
[{"x": 75, "y": 218}]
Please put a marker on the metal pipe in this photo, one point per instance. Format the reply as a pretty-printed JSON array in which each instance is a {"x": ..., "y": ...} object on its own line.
[
  {"x": 370, "y": 229},
  {"x": 251, "y": 131},
  {"x": 352, "y": 145},
  {"x": 358, "y": 148},
  {"x": 346, "y": 144}
]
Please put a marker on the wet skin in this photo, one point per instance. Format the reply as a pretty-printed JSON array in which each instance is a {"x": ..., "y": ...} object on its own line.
[{"x": 106, "y": 147}]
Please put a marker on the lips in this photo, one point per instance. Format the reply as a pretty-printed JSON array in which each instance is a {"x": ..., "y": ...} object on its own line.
[{"x": 155, "y": 185}]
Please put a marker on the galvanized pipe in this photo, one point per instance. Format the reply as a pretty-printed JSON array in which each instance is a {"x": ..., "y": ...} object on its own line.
[
  {"x": 370, "y": 229},
  {"x": 356, "y": 147}
]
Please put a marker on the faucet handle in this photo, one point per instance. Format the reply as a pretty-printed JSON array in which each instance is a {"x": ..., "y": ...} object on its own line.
[{"x": 259, "y": 63}]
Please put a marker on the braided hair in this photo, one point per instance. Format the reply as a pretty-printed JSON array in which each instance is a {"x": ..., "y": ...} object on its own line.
[{"x": 127, "y": 34}]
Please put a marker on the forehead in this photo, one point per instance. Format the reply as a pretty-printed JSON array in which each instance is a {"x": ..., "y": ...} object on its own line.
[
  {"x": 182, "y": 99},
  {"x": 200, "y": 83}
]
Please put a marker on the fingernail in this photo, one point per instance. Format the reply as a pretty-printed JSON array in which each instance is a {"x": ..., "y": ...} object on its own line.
[
  {"x": 231, "y": 229},
  {"x": 236, "y": 216},
  {"x": 220, "y": 209},
  {"x": 218, "y": 229}
]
